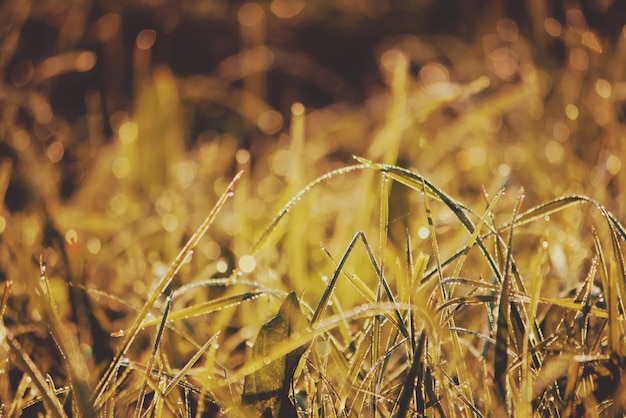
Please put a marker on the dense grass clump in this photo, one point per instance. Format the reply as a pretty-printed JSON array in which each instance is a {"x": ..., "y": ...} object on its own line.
[{"x": 290, "y": 208}]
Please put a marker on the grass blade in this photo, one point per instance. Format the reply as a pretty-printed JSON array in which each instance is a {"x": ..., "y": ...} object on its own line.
[
  {"x": 153, "y": 354},
  {"x": 500, "y": 367},
  {"x": 53, "y": 406},
  {"x": 411, "y": 388},
  {"x": 160, "y": 287}
]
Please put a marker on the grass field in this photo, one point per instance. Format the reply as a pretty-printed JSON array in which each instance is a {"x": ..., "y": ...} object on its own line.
[{"x": 291, "y": 208}]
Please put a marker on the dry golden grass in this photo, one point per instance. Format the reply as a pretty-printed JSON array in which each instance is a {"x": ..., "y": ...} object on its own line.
[{"x": 440, "y": 237}]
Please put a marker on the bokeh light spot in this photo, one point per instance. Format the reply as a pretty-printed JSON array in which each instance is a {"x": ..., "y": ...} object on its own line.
[
  {"x": 554, "y": 152},
  {"x": 242, "y": 156},
  {"x": 435, "y": 77},
  {"x": 85, "y": 61},
  {"x": 247, "y": 263},
  {"x": 297, "y": 109},
  {"x": 552, "y": 27},
  {"x": 169, "y": 222},
  {"x": 603, "y": 88},
  {"x": 286, "y": 9},
  {"x": 477, "y": 156},
  {"x": 507, "y": 29},
  {"x": 392, "y": 58},
  {"x": 146, "y": 39},
  {"x": 571, "y": 111},
  {"x": 270, "y": 122},
  {"x": 591, "y": 41},
  {"x": 221, "y": 266},
  {"x": 94, "y": 245},
  {"x": 55, "y": 151},
  {"x": 504, "y": 62},
  {"x": 21, "y": 140},
  {"x": 613, "y": 164},
  {"x": 128, "y": 132},
  {"x": 118, "y": 204},
  {"x": 575, "y": 20},
  {"x": 121, "y": 167},
  {"x": 250, "y": 14},
  {"x": 280, "y": 162},
  {"x": 71, "y": 237}
]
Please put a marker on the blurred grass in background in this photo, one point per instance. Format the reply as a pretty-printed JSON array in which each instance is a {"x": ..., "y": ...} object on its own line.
[{"x": 122, "y": 123}]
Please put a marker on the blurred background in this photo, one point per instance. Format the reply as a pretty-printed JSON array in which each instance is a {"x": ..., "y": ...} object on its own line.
[{"x": 122, "y": 121}]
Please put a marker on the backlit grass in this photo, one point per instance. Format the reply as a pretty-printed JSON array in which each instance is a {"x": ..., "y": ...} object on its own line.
[{"x": 436, "y": 233}]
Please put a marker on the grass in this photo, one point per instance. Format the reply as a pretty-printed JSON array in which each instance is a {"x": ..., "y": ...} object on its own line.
[{"x": 447, "y": 243}]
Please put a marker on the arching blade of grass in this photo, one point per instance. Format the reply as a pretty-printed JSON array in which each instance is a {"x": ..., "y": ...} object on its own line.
[
  {"x": 160, "y": 287},
  {"x": 272, "y": 226},
  {"x": 559, "y": 204},
  {"x": 421, "y": 184}
]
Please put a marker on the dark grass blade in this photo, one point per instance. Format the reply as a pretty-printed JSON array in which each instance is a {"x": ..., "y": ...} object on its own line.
[
  {"x": 412, "y": 384},
  {"x": 153, "y": 354},
  {"x": 500, "y": 366},
  {"x": 323, "y": 303},
  {"x": 183, "y": 372}
]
